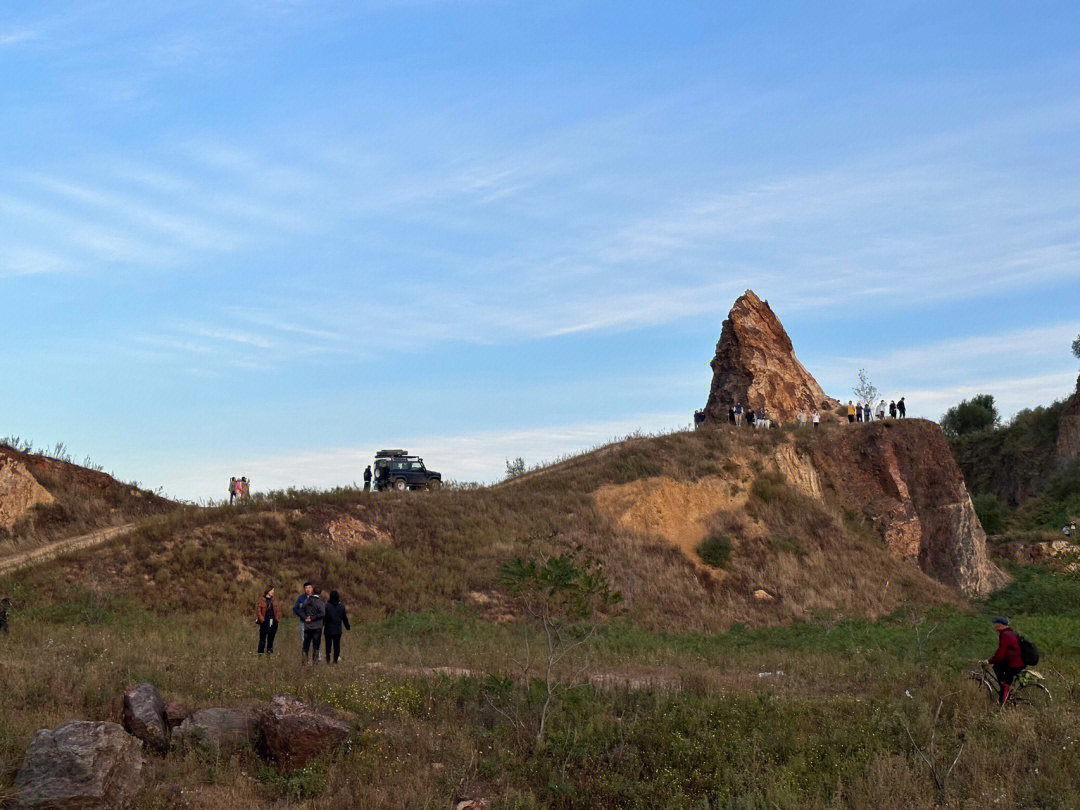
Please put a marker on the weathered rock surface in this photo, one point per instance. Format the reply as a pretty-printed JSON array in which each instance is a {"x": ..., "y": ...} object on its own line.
[
  {"x": 218, "y": 728},
  {"x": 294, "y": 733},
  {"x": 755, "y": 366},
  {"x": 1068, "y": 443},
  {"x": 176, "y": 712},
  {"x": 80, "y": 765},
  {"x": 1061, "y": 554},
  {"x": 19, "y": 492},
  {"x": 902, "y": 477},
  {"x": 144, "y": 716}
]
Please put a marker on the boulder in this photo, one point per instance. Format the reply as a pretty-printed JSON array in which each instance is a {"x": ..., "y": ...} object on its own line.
[
  {"x": 219, "y": 729},
  {"x": 755, "y": 366},
  {"x": 19, "y": 492},
  {"x": 294, "y": 733},
  {"x": 176, "y": 712},
  {"x": 144, "y": 716},
  {"x": 80, "y": 765},
  {"x": 1068, "y": 443}
]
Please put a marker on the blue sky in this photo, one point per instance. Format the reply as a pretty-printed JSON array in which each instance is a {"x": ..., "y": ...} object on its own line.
[{"x": 272, "y": 237}]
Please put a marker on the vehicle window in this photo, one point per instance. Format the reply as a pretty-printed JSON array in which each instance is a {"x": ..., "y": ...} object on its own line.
[{"x": 417, "y": 465}]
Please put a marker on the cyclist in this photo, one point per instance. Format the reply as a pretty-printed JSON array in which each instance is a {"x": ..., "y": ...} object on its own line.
[{"x": 1007, "y": 661}]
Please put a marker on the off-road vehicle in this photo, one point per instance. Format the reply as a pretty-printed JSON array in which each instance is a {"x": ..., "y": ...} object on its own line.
[{"x": 396, "y": 469}]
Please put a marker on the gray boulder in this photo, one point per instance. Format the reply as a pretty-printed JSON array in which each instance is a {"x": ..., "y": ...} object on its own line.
[
  {"x": 144, "y": 716},
  {"x": 218, "y": 728},
  {"x": 294, "y": 733},
  {"x": 81, "y": 765}
]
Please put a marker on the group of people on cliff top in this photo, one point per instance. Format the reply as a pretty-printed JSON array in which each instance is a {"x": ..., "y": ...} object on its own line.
[
  {"x": 239, "y": 489},
  {"x": 858, "y": 412},
  {"x": 322, "y": 618}
]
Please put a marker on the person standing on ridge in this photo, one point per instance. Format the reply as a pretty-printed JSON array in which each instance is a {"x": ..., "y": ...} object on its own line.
[
  {"x": 901, "y": 408},
  {"x": 858, "y": 412},
  {"x": 1007, "y": 661},
  {"x": 298, "y": 609},
  {"x": 881, "y": 410},
  {"x": 336, "y": 616},
  {"x": 267, "y": 615},
  {"x": 367, "y": 478},
  {"x": 850, "y": 412},
  {"x": 816, "y": 418},
  {"x": 314, "y": 611},
  {"x": 892, "y": 409},
  {"x": 232, "y": 489}
]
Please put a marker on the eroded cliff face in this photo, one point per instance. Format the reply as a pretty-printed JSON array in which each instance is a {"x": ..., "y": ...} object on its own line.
[
  {"x": 755, "y": 366},
  {"x": 1068, "y": 443},
  {"x": 19, "y": 492},
  {"x": 902, "y": 479}
]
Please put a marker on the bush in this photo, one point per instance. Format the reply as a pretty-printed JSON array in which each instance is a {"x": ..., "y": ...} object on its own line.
[
  {"x": 970, "y": 416},
  {"x": 715, "y": 550}
]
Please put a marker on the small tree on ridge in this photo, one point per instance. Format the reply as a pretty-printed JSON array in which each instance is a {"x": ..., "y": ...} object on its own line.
[{"x": 866, "y": 392}]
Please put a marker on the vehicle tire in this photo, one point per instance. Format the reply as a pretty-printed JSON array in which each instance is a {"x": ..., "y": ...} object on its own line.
[
  {"x": 434, "y": 484},
  {"x": 1033, "y": 694},
  {"x": 400, "y": 485}
]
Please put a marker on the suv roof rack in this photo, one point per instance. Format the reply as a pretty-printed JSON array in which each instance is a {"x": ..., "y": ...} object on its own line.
[{"x": 388, "y": 453}]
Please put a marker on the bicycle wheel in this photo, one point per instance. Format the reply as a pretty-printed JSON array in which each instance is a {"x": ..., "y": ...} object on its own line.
[
  {"x": 1033, "y": 694},
  {"x": 984, "y": 686}
]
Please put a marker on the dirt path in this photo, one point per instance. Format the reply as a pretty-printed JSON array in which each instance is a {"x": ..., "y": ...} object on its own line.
[{"x": 14, "y": 562}]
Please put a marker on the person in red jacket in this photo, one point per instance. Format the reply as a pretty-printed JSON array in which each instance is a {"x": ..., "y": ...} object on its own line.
[{"x": 1007, "y": 661}]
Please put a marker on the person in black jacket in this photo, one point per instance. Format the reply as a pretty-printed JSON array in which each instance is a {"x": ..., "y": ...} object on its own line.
[
  {"x": 314, "y": 610},
  {"x": 332, "y": 622}
]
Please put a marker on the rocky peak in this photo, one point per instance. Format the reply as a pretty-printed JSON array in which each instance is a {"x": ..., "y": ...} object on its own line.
[
  {"x": 1068, "y": 444},
  {"x": 755, "y": 365}
]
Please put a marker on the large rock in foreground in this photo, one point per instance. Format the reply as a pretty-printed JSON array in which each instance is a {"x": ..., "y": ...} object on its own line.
[
  {"x": 294, "y": 733},
  {"x": 1068, "y": 443},
  {"x": 80, "y": 765},
  {"x": 144, "y": 716},
  {"x": 755, "y": 366},
  {"x": 19, "y": 492}
]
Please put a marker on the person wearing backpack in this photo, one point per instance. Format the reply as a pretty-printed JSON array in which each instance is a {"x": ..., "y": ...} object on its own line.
[{"x": 1008, "y": 660}]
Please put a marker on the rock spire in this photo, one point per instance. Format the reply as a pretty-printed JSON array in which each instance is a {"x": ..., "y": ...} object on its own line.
[{"x": 755, "y": 366}]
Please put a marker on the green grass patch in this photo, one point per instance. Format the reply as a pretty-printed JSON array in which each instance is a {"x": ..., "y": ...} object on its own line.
[{"x": 715, "y": 550}]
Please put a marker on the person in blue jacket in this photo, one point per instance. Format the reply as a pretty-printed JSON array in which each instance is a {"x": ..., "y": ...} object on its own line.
[{"x": 298, "y": 609}]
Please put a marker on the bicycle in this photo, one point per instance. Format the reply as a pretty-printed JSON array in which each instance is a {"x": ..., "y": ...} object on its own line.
[{"x": 1027, "y": 687}]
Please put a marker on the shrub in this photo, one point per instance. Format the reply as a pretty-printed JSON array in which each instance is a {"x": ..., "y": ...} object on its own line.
[
  {"x": 970, "y": 416},
  {"x": 715, "y": 550}
]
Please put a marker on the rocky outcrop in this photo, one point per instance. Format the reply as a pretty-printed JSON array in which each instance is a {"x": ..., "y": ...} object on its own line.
[
  {"x": 19, "y": 492},
  {"x": 294, "y": 733},
  {"x": 755, "y": 366},
  {"x": 144, "y": 716},
  {"x": 80, "y": 765},
  {"x": 901, "y": 477},
  {"x": 1061, "y": 554},
  {"x": 218, "y": 729},
  {"x": 1068, "y": 443}
]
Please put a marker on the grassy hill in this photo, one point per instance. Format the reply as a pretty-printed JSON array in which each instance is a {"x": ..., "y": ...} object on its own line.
[
  {"x": 84, "y": 499},
  {"x": 693, "y": 693}
]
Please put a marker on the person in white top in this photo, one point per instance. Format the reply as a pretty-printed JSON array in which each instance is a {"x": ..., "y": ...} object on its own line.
[{"x": 816, "y": 417}]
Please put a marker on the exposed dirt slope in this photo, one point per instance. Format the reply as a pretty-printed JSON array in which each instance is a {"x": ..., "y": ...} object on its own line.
[{"x": 49, "y": 499}]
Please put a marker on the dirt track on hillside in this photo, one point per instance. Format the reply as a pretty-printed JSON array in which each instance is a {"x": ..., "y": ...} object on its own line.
[{"x": 15, "y": 562}]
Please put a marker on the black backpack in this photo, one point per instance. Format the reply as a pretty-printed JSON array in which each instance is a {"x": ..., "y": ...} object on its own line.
[{"x": 1029, "y": 653}]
